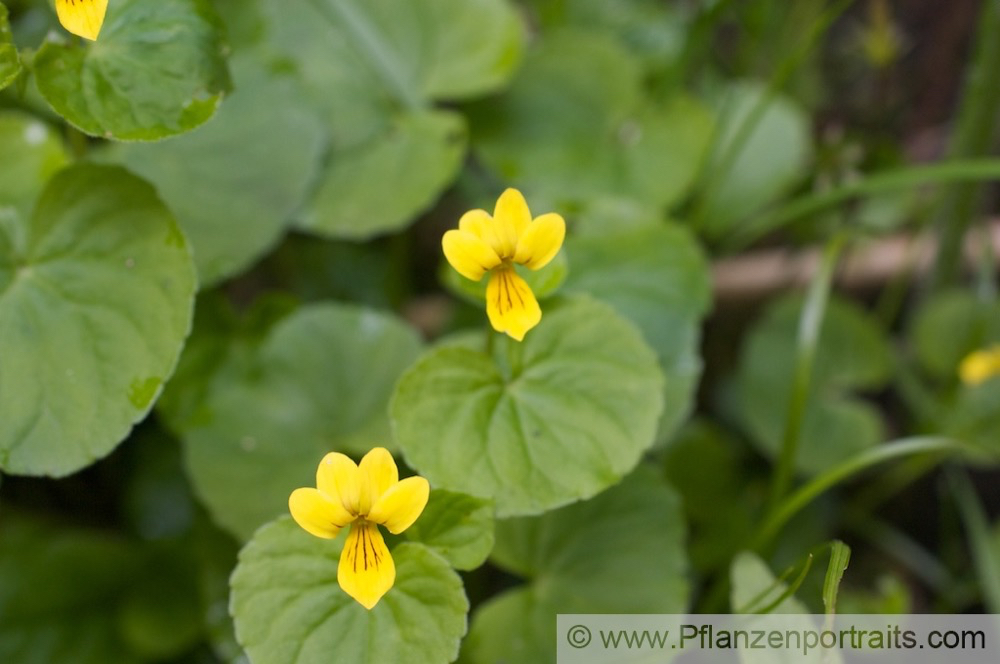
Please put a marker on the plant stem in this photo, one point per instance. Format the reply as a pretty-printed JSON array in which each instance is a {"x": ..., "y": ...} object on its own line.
[
  {"x": 974, "y": 134},
  {"x": 880, "y": 183},
  {"x": 886, "y": 452},
  {"x": 809, "y": 328},
  {"x": 981, "y": 539}
]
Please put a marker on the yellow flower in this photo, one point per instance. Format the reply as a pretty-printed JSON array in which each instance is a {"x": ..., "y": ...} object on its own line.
[
  {"x": 82, "y": 17},
  {"x": 493, "y": 244},
  {"x": 361, "y": 497},
  {"x": 980, "y": 366}
]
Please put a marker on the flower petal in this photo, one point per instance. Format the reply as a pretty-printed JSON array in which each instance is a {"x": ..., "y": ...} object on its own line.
[
  {"x": 481, "y": 224},
  {"x": 82, "y": 17},
  {"x": 511, "y": 218},
  {"x": 366, "y": 571},
  {"x": 378, "y": 473},
  {"x": 339, "y": 479},
  {"x": 541, "y": 241},
  {"x": 469, "y": 254},
  {"x": 317, "y": 514},
  {"x": 980, "y": 366},
  {"x": 510, "y": 304},
  {"x": 400, "y": 506}
]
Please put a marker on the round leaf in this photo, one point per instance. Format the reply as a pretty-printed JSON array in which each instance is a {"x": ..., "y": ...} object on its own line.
[
  {"x": 852, "y": 354},
  {"x": 156, "y": 70},
  {"x": 575, "y": 127},
  {"x": 32, "y": 153},
  {"x": 754, "y": 586},
  {"x": 414, "y": 160},
  {"x": 235, "y": 182},
  {"x": 658, "y": 278},
  {"x": 97, "y": 292},
  {"x": 10, "y": 61},
  {"x": 289, "y": 609},
  {"x": 772, "y": 156},
  {"x": 620, "y": 552},
  {"x": 369, "y": 71},
  {"x": 457, "y": 527},
  {"x": 319, "y": 381},
  {"x": 556, "y": 418}
]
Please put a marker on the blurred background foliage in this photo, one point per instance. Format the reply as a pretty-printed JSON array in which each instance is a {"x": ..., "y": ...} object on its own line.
[{"x": 724, "y": 166}]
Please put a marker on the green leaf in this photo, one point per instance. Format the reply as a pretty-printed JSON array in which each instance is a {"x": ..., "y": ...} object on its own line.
[
  {"x": 96, "y": 294},
  {"x": 852, "y": 355},
  {"x": 244, "y": 22},
  {"x": 897, "y": 449},
  {"x": 982, "y": 539},
  {"x": 57, "y": 594},
  {"x": 32, "y": 153},
  {"x": 158, "y": 69},
  {"x": 840, "y": 556},
  {"x": 10, "y": 61},
  {"x": 619, "y": 552},
  {"x": 753, "y": 586},
  {"x": 457, "y": 527},
  {"x": 289, "y": 608},
  {"x": 318, "y": 381},
  {"x": 949, "y": 326},
  {"x": 368, "y": 69},
  {"x": 658, "y": 278},
  {"x": 752, "y": 166},
  {"x": 235, "y": 182},
  {"x": 574, "y": 127},
  {"x": 876, "y": 184},
  {"x": 377, "y": 187},
  {"x": 556, "y": 418},
  {"x": 653, "y": 30}
]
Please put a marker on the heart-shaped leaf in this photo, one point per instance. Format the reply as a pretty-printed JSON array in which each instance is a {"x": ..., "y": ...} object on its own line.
[
  {"x": 540, "y": 423},
  {"x": 157, "y": 69},
  {"x": 96, "y": 295}
]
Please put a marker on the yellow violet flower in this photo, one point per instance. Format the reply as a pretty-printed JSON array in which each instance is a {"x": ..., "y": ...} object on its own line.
[
  {"x": 980, "y": 366},
  {"x": 493, "y": 244},
  {"x": 360, "y": 496},
  {"x": 82, "y": 17}
]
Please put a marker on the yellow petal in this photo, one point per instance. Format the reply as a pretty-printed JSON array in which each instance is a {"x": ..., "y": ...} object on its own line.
[
  {"x": 510, "y": 304},
  {"x": 317, "y": 514},
  {"x": 339, "y": 478},
  {"x": 511, "y": 217},
  {"x": 82, "y": 17},
  {"x": 366, "y": 571},
  {"x": 400, "y": 506},
  {"x": 541, "y": 241},
  {"x": 378, "y": 473},
  {"x": 469, "y": 254},
  {"x": 481, "y": 224},
  {"x": 980, "y": 366}
]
